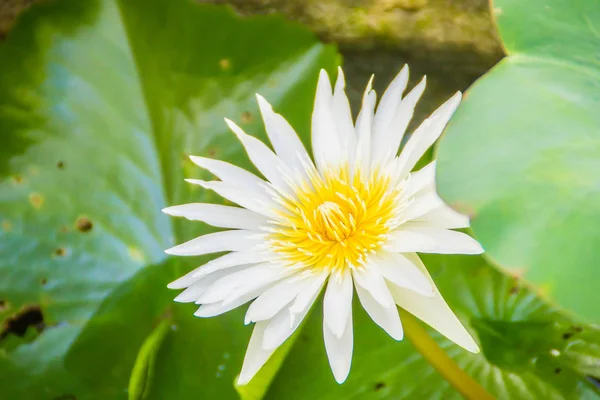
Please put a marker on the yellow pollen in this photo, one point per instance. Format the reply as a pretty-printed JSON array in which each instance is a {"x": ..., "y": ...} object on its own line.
[{"x": 334, "y": 221}]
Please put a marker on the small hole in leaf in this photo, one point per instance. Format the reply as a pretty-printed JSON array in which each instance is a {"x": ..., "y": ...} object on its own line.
[
  {"x": 19, "y": 323},
  {"x": 225, "y": 64},
  {"x": 379, "y": 386},
  {"x": 44, "y": 281},
  {"x": 567, "y": 335},
  {"x": 247, "y": 117},
  {"x": 557, "y": 371},
  {"x": 6, "y": 226},
  {"x": 60, "y": 252},
  {"x": 83, "y": 224},
  {"x": 60, "y": 165},
  {"x": 36, "y": 200}
]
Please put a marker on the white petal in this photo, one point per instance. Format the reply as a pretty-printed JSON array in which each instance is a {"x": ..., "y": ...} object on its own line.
[
  {"x": 372, "y": 281},
  {"x": 386, "y": 110},
  {"x": 431, "y": 240},
  {"x": 218, "y": 215},
  {"x": 326, "y": 146},
  {"x": 285, "y": 141},
  {"x": 195, "y": 290},
  {"x": 230, "y": 260},
  {"x": 339, "y": 350},
  {"x": 234, "y": 240},
  {"x": 402, "y": 271},
  {"x": 386, "y": 317},
  {"x": 263, "y": 158},
  {"x": 443, "y": 217},
  {"x": 273, "y": 300},
  {"x": 426, "y": 134},
  {"x": 421, "y": 204},
  {"x": 256, "y": 355},
  {"x": 268, "y": 335},
  {"x": 392, "y": 137},
  {"x": 220, "y": 307},
  {"x": 255, "y": 201},
  {"x": 308, "y": 295},
  {"x": 343, "y": 117},
  {"x": 337, "y": 302},
  {"x": 288, "y": 319},
  {"x": 421, "y": 180},
  {"x": 435, "y": 312},
  {"x": 241, "y": 282},
  {"x": 231, "y": 174},
  {"x": 364, "y": 124},
  {"x": 226, "y": 261}
]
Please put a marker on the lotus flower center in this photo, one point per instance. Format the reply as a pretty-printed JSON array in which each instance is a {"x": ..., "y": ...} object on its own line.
[{"x": 335, "y": 221}]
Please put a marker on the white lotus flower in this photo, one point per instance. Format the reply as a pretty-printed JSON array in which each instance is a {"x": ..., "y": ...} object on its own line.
[{"x": 355, "y": 217}]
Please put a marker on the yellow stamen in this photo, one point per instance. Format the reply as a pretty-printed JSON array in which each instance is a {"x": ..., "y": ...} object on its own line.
[{"x": 334, "y": 221}]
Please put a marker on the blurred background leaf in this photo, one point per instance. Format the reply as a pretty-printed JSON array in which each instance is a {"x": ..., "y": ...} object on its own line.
[{"x": 522, "y": 154}]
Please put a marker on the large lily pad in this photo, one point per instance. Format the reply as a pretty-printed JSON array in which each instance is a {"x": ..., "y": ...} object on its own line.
[
  {"x": 100, "y": 103},
  {"x": 522, "y": 154}
]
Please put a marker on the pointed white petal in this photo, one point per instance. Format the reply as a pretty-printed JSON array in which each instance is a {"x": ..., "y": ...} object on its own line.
[
  {"x": 218, "y": 215},
  {"x": 192, "y": 293},
  {"x": 309, "y": 294},
  {"x": 326, "y": 146},
  {"x": 364, "y": 125},
  {"x": 420, "y": 181},
  {"x": 442, "y": 217},
  {"x": 431, "y": 240},
  {"x": 339, "y": 350},
  {"x": 234, "y": 240},
  {"x": 254, "y": 201},
  {"x": 386, "y": 110},
  {"x": 372, "y": 281},
  {"x": 241, "y": 282},
  {"x": 273, "y": 300},
  {"x": 279, "y": 329},
  {"x": 435, "y": 312},
  {"x": 195, "y": 290},
  {"x": 426, "y": 134},
  {"x": 263, "y": 158},
  {"x": 256, "y": 355},
  {"x": 337, "y": 302},
  {"x": 230, "y": 260},
  {"x": 421, "y": 204},
  {"x": 285, "y": 141},
  {"x": 185, "y": 281},
  {"x": 224, "y": 262},
  {"x": 386, "y": 317},
  {"x": 288, "y": 319},
  {"x": 343, "y": 118},
  {"x": 220, "y": 307},
  {"x": 392, "y": 136},
  {"x": 231, "y": 174},
  {"x": 402, "y": 271}
]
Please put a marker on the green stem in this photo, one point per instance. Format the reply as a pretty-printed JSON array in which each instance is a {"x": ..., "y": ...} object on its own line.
[{"x": 450, "y": 371}]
